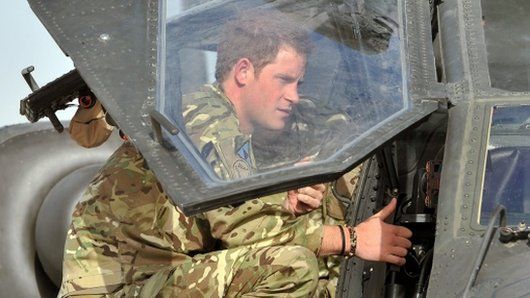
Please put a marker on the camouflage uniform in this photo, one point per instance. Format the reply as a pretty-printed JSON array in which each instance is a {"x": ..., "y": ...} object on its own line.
[{"x": 127, "y": 239}]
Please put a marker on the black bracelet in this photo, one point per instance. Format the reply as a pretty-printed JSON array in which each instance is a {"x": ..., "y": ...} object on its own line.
[{"x": 343, "y": 250}]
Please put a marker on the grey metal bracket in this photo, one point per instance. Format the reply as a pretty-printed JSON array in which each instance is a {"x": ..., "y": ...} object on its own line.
[{"x": 159, "y": 120}]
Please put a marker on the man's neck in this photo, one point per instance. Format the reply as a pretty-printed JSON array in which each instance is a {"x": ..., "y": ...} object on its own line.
[{"x": 233, "y": 93}]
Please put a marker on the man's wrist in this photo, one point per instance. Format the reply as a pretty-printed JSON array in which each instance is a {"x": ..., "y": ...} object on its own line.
[{"x": 343, "y": 238}]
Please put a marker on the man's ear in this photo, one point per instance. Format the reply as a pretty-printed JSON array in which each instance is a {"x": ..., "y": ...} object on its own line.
[{"x": 243, "y": 71}]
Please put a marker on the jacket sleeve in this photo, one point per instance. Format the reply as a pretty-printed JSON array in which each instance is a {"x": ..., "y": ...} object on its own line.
[{"x": 264, "y": 222}]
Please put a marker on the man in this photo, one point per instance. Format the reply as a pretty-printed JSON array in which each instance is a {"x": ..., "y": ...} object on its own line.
[{"x": 127, "y": 239}]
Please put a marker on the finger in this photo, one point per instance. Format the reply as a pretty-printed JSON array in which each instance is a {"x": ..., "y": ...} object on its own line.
[
  {"x": 303, "y": 209},
  {"x": 309, "y": 200},
  {"x": 291, "y": 195},
  {"x": 399, "y": 251},
  {"x": 403, "y": 232},
  {"x": 394, "y": 260},
  {"x": 320, "y": 187},
  {"x": 311, "y": 192},
  {"x": 387, "y": 210},
  {"x": 402, "y": 242}
]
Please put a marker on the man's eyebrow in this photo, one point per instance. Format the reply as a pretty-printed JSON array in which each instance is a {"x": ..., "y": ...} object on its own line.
[{"x": 286, "y": 77}]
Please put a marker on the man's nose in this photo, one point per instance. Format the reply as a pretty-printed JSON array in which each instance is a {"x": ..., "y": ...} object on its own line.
[{"x": 292, "y": 95}]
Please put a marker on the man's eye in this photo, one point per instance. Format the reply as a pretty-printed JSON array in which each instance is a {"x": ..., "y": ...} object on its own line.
[{"x": 286, "y": 79}]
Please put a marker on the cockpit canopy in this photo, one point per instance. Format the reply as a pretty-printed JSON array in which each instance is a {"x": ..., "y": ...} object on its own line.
[
  {"x": 353, "y": 77},
  {"x": 355, "y": 91}
]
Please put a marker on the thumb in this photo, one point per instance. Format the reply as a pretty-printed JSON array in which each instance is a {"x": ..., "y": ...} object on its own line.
[{"x": 387, "y": 210}]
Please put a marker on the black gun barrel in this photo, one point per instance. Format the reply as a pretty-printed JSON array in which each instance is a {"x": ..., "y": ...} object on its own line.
[{"x": 56, "y": 95}]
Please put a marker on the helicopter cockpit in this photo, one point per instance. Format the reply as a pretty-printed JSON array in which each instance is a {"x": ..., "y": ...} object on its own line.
[
  {"x": 361, "y": 86},
  {"x": 357, "y": 78}
]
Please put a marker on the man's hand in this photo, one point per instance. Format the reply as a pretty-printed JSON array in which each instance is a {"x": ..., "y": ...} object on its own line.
[
  {"x": 303, "y": 200},
  {"x": 380, "y": 241}
]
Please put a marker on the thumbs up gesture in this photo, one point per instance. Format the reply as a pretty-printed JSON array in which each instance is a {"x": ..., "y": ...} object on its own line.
[{"x": 380, "y": 241}]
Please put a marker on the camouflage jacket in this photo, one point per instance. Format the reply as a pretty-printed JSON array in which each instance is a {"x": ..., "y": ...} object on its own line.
[{"x": 125, "y": 229}]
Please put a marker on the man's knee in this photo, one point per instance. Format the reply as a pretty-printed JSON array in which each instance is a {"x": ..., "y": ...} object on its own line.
[
  {"x": 299, "y": 267},
  {"x": 277, "y": 271},
  {"x": 299, "y": 258}
]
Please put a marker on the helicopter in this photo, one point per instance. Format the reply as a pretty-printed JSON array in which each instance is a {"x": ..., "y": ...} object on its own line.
[{"x": 437, "y": 98}]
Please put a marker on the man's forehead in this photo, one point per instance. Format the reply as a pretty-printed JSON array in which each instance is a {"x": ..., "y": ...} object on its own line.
[
  {"x": 288, "y": 58},
  {"x": 286, "y": 48}
]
